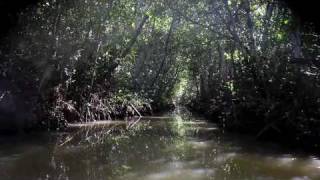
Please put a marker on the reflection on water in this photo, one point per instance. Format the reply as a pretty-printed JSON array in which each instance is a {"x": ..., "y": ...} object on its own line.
[{"x": 154, "y": 148}]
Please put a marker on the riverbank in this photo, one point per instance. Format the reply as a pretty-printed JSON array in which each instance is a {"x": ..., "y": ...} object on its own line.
[{"x": 307, "y": 141}]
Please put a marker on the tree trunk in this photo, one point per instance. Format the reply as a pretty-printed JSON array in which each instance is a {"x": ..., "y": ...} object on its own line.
[
  {"x": 296, "y": 40},
  {"x": 166, "y": 48}
]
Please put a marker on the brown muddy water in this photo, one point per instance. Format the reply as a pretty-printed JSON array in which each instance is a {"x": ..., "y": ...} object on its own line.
[{"x": 172, "y": 147}]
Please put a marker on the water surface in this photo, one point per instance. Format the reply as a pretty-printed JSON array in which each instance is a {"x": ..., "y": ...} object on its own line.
[{"x": 174, "y": 147}]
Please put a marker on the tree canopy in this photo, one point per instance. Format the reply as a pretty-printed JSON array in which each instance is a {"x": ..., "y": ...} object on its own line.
[{"x": 248, "y": 63}]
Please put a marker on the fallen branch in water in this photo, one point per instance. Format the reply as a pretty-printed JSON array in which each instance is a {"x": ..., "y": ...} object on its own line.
[
  {"x": 136, "y": 110},
  {"x": 133, "y": 124},
  {"x": 66, "y": 141},
  {"x": 3, "y": 94},
  {"x": 267, "y": 127}
]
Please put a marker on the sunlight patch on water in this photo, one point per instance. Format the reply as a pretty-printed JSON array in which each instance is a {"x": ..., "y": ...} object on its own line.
[
  {"x": 301, "y": 178},
  {"x": 200, "y": 144},
  {"x": 286, "y": 160},
  {"x": 185, "y": 174}
]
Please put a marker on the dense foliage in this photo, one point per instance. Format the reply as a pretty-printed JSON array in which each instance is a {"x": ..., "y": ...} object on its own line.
[
  {"x": 254, "y": 69},
  {"x": 249, "y": 64}
]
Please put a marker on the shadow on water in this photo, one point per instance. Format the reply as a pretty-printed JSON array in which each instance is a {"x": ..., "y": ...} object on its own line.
[{"x": 176, "y": 146}]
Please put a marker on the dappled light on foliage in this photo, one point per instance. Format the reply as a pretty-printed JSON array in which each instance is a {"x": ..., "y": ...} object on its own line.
[{"x": 237, "y": 61}]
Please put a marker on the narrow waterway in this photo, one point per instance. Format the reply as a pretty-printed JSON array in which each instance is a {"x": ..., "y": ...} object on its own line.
[{"x": 171, "y": 147}]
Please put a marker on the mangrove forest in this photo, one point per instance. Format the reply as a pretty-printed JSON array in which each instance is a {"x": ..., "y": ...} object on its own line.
[{"x": 159, "y": 90}]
